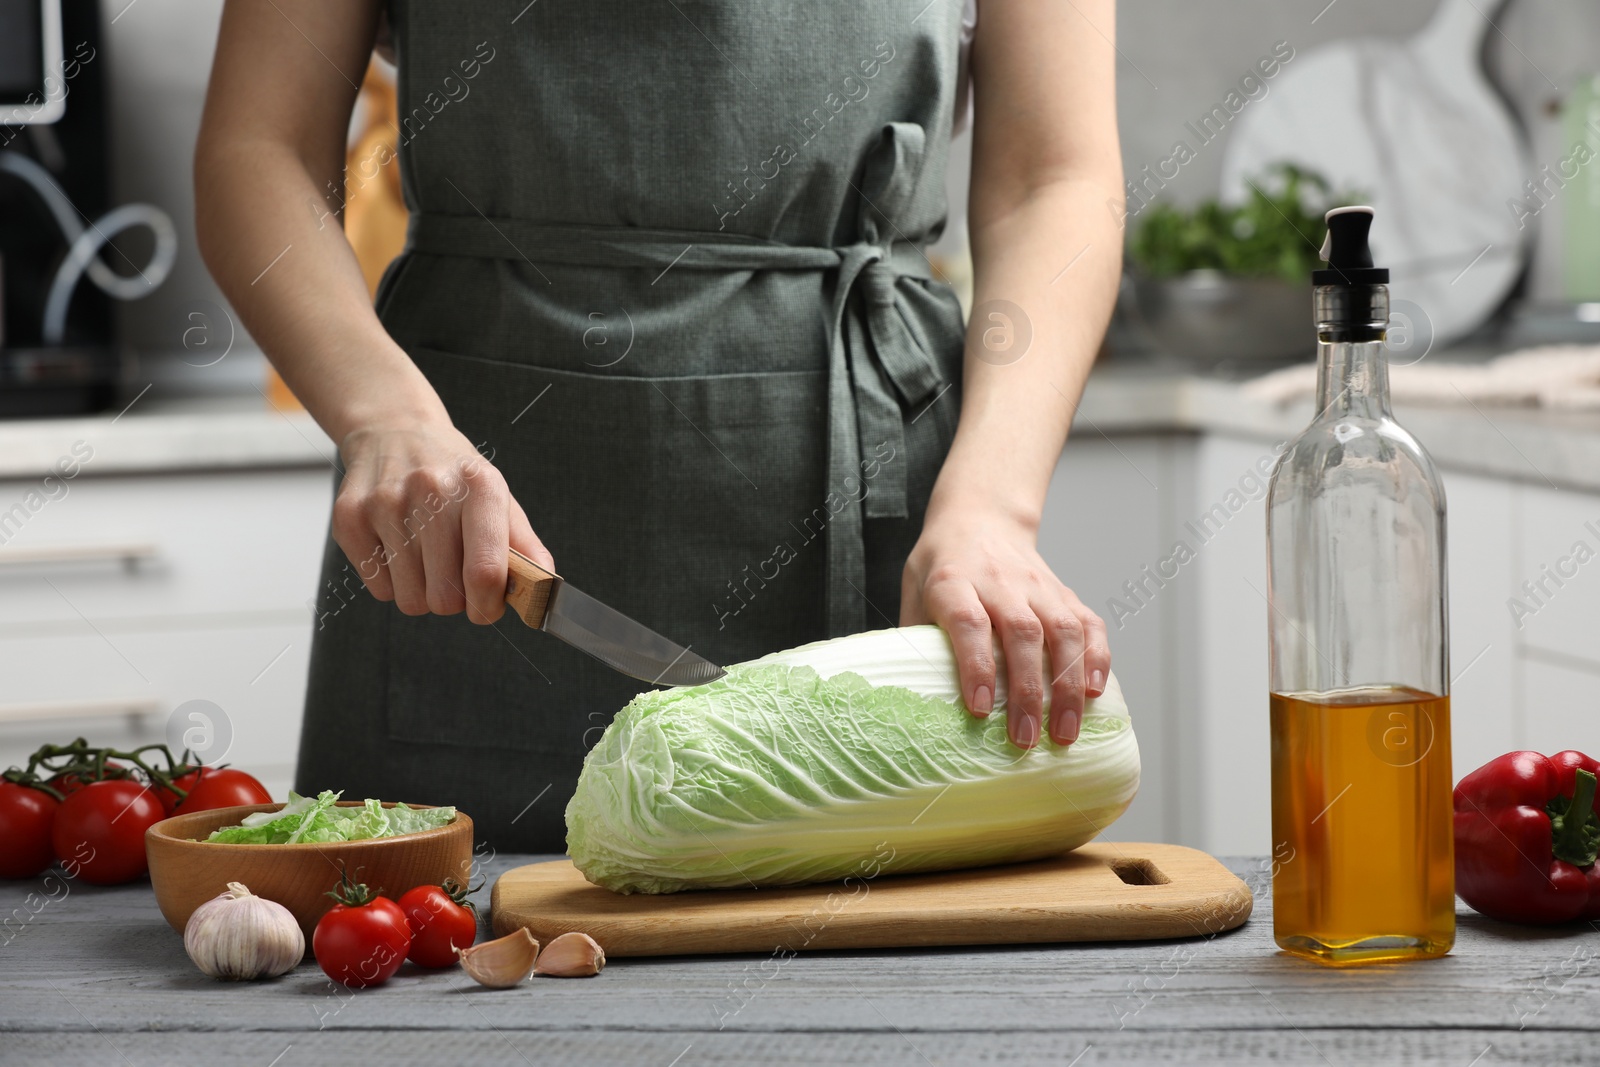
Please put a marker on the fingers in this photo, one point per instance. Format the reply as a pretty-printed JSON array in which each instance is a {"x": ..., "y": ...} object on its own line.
[
  {"x": 981, "y": 595},
  {"x": 912, "y": 610},
  {"x": 430, "y": 532},
  {"x": 1096, "y": 647},
  {"x": 524, "y": 540},
  {"x": 954, "y": 605},
  {"x": 1064, "y": 636},
  {"x": 387, "y": 513},
  {"x": 359, "y": 542},
  {"x": 485, "y": 532},
  {"x": 1022, "y": 639},
  {"x": 440, "y": 537}
]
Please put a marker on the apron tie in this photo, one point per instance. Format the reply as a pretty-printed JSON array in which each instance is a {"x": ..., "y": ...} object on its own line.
[{"x": 880, "y": 365}]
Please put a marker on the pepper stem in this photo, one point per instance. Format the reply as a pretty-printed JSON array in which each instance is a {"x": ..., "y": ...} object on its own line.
[{"x": 1574, "y": 831}]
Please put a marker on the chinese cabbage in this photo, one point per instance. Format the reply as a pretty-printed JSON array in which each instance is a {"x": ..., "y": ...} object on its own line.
[{"x": 849, "y": 756}]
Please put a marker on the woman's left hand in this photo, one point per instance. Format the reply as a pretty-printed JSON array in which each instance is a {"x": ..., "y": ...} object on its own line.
[{"x": 978, "y": 573}]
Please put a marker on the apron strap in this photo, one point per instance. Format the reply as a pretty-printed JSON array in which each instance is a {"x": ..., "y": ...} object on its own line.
[{"x": 879, "y": 363}]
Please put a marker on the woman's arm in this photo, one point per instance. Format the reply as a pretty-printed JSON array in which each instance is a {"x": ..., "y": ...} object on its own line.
[
  {"x": 1046, "y": 166},
  {"x": 269, "y": 185}
]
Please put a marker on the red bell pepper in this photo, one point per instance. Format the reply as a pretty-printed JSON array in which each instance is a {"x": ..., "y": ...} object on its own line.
[{"x": 1527, "y": 834}]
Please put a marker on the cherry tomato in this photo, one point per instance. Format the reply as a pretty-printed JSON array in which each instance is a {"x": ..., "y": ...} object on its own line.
[
  {"x": 217, "y": 787},
  {"x": 72, "y": 781},
  {"x": 26, "y": 815},
  {"x": 169, "y": 799},
  {"x": 99, "y": 830},
  {"x": 441, "y": 921},
  {"x": 363, "y": 940}
]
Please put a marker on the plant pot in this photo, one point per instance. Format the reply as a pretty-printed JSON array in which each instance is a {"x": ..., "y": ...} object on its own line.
[{"x": 1213, "y": 319}]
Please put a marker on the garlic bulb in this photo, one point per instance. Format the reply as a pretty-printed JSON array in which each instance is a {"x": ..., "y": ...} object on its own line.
[{"x": 239, "y": 936}]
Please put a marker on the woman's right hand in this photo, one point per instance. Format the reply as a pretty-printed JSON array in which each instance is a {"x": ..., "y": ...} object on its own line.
[{"x": 426, "y": 521}]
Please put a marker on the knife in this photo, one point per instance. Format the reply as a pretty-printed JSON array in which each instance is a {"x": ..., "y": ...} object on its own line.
[{"x": 546, "y": 602}]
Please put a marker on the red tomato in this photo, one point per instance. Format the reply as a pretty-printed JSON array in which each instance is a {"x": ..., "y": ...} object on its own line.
[
  {"x": 441, "y": 921},
  {"x": 26, "y": 815},
  {"x": 219, "y": 787},
  {"x": 169, "y": 799},
  {"x": 99, "y": 831},
  {"x": 72, "y": 781},
  {"x": 363, "y": 940}
]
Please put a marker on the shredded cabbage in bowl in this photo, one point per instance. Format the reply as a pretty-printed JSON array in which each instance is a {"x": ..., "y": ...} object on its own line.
[{"x": 307, "y": 820}]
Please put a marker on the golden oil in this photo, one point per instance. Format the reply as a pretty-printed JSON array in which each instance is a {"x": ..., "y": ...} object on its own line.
[{"x": 1361, "y": 816}]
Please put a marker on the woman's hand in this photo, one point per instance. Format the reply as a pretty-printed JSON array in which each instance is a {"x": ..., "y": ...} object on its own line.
[
  {"x": 426, "y": 520},
  {"x": 979, "y": 573}
]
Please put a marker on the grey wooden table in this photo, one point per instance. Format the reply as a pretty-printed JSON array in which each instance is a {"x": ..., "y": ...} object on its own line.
[{"x": 96, "y": 976}]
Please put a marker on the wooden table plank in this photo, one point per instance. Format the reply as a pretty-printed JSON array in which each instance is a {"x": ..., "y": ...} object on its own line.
[
  {"x": 522, "y": 1048},
  {"x": 99, "y": 969}
]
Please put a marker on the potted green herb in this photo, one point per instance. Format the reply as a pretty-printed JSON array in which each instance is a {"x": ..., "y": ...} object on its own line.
[{"x": 1231, "y": 282}]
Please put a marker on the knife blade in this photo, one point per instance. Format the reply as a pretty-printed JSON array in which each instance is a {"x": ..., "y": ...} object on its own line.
[{"x": 546, "y": 602}]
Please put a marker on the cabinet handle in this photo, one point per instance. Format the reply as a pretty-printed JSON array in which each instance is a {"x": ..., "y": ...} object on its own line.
[
  {"x": 78, "y": 709},
  {"x": 128, "y": 553}
]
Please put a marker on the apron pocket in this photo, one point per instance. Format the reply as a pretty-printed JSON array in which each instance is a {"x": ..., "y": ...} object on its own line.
[{"x": 692, "y": 504}]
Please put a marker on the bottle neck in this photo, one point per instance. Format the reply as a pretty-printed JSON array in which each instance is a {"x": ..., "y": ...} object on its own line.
[
  {"x": 1352, "y": 365},
  {"x": 1352, "y": 378}
]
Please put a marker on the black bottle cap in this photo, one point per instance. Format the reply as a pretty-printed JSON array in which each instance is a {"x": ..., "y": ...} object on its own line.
[{"x": 1346, "y": 252}]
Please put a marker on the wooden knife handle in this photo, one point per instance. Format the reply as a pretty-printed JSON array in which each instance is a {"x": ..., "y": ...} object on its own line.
[{"x": 529, "y": 588}]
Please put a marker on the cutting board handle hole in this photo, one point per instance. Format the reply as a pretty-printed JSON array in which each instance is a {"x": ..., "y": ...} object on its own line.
[{"x": 1138, "y": 872}]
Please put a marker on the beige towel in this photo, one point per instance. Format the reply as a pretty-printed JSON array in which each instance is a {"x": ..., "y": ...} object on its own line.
[{"x": 1552, "y": 376}]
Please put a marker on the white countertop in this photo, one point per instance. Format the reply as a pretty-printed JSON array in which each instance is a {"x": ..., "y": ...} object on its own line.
[
  {"x": 1538, "y": 445},
  {"x": 155, "y": 435}
]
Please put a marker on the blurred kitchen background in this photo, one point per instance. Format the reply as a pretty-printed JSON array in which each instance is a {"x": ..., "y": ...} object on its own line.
[{"x": 163, "y": 503}]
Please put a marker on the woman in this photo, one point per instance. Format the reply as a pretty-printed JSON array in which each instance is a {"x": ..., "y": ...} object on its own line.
[{"x": 663, "y": 324}]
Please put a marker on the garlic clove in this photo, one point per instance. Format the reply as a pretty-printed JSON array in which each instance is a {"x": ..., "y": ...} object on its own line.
[
  {"x": 238, "y": 936},
  {"x": 573, "y": 955},
  {"x": 503, "y": 962}
]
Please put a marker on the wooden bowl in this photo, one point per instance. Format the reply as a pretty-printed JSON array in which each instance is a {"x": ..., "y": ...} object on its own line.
[{"x": 187, "y": 872}]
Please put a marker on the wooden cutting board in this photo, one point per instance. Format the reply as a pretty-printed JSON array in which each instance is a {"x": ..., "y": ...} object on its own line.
[{"x": 1101, "y": 892}]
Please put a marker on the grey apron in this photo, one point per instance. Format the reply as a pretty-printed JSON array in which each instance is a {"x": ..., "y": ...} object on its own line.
[{"x": 664, "y": 268}]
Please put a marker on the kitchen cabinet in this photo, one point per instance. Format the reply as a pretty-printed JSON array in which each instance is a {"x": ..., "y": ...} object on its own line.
[
  {"x": 1223, "y": 652},
  {"x": 1109, "y": 504},
  {"x": 127, "y": 597},
  {"x": 1483, "y": 650},
  {"x": 1555, "y": 581}
]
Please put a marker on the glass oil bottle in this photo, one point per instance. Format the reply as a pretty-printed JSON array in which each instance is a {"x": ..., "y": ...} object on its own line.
[{"x": 1360, "y": 702}]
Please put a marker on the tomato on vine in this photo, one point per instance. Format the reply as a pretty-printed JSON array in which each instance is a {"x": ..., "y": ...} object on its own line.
[
  {"x": 102, "y": 825},
  {"x": 69, "y": 782},
  {"x": 26, "y": 816},
  {"x": 207, "y": 788},
  {"x": 89, "y": 806}
]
